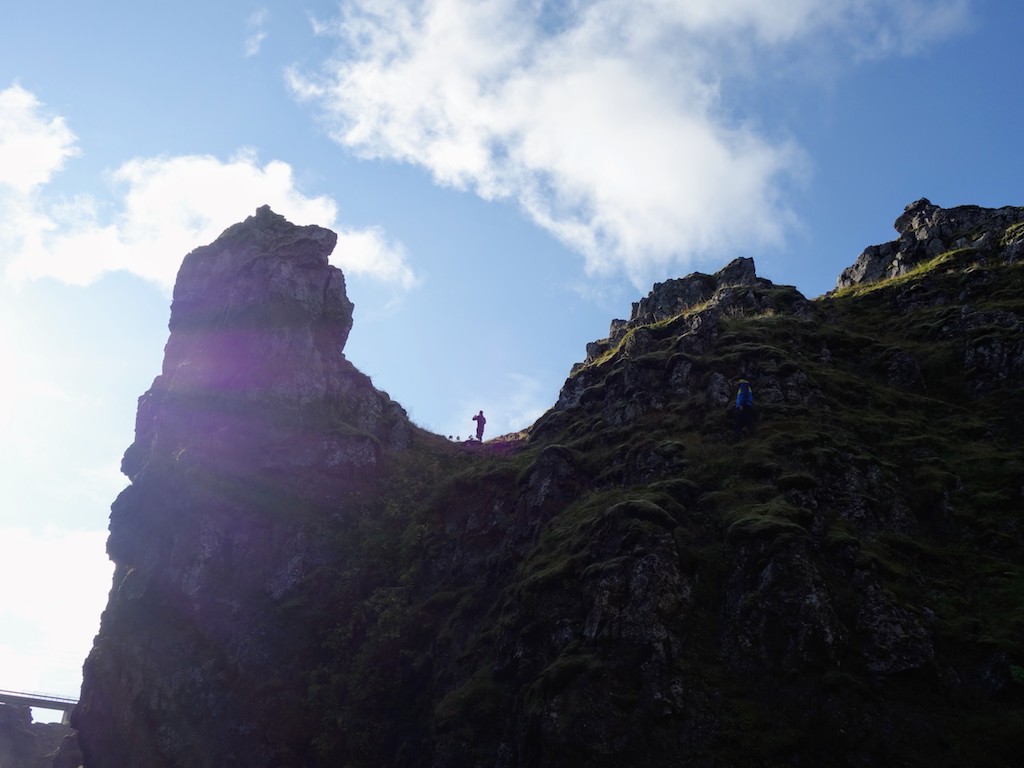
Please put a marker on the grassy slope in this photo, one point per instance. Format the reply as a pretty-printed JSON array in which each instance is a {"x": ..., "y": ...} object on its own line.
[{"x": 416, "y": 653}]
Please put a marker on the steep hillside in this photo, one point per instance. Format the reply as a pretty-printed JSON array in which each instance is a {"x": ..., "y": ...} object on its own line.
[{"x": 305, "y": 579}]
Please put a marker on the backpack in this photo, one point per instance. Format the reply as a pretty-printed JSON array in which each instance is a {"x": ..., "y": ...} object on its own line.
[{"x": 744, "y": 395}]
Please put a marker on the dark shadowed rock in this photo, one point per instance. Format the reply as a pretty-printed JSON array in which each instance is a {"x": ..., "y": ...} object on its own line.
[
  {"x": 254, "y": 372},
  {"x": 68, "y": 755},
  {"x": 256, "y": 430},
  {"x": 24, "y": 744},
  {"x": 304, "y": 580}
]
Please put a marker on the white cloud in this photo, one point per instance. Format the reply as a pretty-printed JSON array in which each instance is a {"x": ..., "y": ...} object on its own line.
[
  {"x": 525, "y": 401},
  {"x": 368, "y": 251},
  {"x": 889, "y": 27},
  {"x": 33, "y": 145},
  {"x": 163, "y": 208},
  {"x": 604, "y": 119},
  {"x": 167, "y": 207},
  {"x": 257, "y": 34}
]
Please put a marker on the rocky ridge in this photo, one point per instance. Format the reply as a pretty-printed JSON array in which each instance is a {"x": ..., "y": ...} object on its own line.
[{"x": 304, "y": 578}]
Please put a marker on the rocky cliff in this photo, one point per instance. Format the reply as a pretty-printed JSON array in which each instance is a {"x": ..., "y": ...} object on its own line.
[
  {"x": 256, "y": 434},
  {"x": 25, "y": 744},
  {"x": 303, "y": 578}
]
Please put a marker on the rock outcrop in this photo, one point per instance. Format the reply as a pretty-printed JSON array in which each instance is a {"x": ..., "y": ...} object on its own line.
[
  {"x": 671, "y": 298},
  {"x": 25, "y": 744},
  {"x": 688, "y": 310},
  {"x": 304, "y": 579},
  {"x": 254, "y": 368},
  {"x": 256, "y": 426},
  {"x": 926, "y": 230}
]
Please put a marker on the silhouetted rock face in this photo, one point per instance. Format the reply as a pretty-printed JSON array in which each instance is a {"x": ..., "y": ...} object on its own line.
[
  {"x": 254, "y": 374},
  {"x": 24, "y": 744},
  {"x": 254, "y": 367},
  {"x": 259, "y": 313},
  {"x": 257, "y": 427},
  {"x": 304, "y": 580}
]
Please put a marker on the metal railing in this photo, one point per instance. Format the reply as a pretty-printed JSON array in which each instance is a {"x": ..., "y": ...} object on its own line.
[{"x": 41, "y": 700}]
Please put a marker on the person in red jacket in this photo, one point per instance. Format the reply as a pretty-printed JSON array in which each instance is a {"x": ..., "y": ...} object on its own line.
[{"x": 480, "y": 421}]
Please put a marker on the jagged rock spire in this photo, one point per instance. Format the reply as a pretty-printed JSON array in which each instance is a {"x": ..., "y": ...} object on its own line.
[{"x": 258, "y": 326}]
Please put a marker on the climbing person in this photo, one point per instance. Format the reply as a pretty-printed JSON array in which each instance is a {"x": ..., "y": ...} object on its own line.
[
  {"x": 480, "y": 421},
  {"x": 744, "y": 408}
]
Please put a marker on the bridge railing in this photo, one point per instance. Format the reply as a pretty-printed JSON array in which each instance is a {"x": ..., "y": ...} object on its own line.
[{"x": 41, "y": 700}]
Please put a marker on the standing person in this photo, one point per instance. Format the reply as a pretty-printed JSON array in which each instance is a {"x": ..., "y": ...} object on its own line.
[
  {"x": 480, "y": 421},
  {"x": 744, "y": 408}
]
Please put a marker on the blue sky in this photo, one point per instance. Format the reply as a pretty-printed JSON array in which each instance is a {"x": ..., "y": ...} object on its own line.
[{"x": 506, "y": 177}]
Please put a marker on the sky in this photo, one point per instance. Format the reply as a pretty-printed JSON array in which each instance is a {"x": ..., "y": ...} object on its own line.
[{"x": 506, "y": 177}]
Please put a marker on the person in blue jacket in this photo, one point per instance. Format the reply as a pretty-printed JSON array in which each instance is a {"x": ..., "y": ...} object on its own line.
[{"x": 744, "y": 408}]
